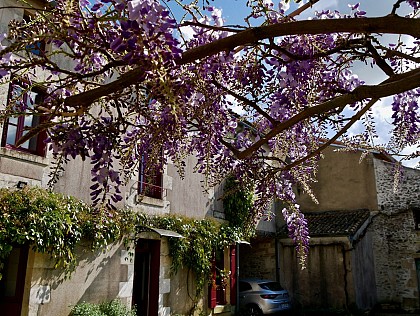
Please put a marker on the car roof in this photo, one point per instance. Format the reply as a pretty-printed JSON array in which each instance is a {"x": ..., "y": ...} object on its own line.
[{"x": 256, "y": 280}]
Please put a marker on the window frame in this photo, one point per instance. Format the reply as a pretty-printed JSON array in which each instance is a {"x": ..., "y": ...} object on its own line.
[
  {"x": 150, "y": 179},
  {"x": 39, "y": 149}
]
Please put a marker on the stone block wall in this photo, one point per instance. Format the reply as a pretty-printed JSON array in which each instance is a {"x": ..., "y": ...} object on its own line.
[
  {"x": 396, "y": 242},
  {"x": 407, "y": 190},
  {"x": 100, "y": 276},
  {"x": 396, "y": 246},
  {"x": 258, "y": 260},
  {"x": 326, "y": 282}
]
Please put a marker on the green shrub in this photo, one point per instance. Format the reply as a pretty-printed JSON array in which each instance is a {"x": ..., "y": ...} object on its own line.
[
  {"x": 116, "y": 308},
  {"x": 112, "y": 308},
  {"x": 86, "y": 309}
]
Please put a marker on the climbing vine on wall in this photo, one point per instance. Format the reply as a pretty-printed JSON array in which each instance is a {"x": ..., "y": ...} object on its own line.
[
  {"x": 54, "y": 224},
  {"x": 201, "y": 237},
  {"x": 238, "y": 201}
]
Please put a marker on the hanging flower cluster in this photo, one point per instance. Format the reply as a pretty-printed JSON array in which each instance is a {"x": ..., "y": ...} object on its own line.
[{"x": 124, "y": 80}]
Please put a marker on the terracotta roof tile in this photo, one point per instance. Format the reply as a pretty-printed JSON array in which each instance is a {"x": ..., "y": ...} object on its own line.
[{"x": 334, "y": 223}]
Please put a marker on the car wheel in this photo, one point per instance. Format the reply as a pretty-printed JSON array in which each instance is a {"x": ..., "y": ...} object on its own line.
[{"x": 253, "y": 310}]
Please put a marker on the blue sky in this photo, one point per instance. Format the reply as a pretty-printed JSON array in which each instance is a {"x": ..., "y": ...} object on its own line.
[{"x": 234, "y": 12}]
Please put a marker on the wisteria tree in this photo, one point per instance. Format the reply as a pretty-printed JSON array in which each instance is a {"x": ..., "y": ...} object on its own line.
[{"x": 259, "y": 100}]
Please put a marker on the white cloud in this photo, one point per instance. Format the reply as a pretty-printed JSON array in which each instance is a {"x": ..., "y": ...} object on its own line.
[
  {"x": 235, "y": 106},
  {"x": 187, "y": 32},
  {"x": 283, "y": 5}
]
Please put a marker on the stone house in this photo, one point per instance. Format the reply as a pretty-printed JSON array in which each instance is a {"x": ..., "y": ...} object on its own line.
[
  {"x": 365, "y": 243},
  {"x": 364, "y": 236}
]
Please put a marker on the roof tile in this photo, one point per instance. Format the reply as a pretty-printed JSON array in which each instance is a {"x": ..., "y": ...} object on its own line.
[{"x": 334, "y": 223}]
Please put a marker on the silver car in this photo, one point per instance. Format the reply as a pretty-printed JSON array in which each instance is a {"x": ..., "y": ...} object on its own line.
[{"x": 260, "y": 297}]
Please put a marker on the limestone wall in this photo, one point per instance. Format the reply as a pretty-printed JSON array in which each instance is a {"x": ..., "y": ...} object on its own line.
[
  {"x": 258, "y": 260},
  {"x": 407, "y": 193},
  {"x": 99, "y": 277},
  {"x": 396, "y": 242},
  {"x": 327, "y": 280},
  {"x": 343, "y": 183},
  {"x": 187, "y": 196}
]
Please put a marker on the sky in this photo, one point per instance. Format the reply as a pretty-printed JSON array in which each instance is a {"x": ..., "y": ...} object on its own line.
[{"x": 234, "y": 11}]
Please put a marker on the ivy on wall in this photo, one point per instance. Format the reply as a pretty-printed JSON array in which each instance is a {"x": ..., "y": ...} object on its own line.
[
  {"x": 196, "y": 250},
  {"x": 54, "y": 224},
  {"x": 237, "y": 205}
]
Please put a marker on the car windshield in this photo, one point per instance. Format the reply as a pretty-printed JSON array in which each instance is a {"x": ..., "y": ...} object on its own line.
[{"x": 272, "y": 286}]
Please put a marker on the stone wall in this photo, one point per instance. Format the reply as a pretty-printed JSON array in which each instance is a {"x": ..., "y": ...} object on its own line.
[
  {"x": 396, "y": 242},
  {"x": 326, "y": 282},
  {"x": 258, "y": 260},
  {"x": 99, "y": 277},
  {"x": 343, "y": 183},
  {"x": 187, "y": 195},
  {"x": 407, "y": 193}
]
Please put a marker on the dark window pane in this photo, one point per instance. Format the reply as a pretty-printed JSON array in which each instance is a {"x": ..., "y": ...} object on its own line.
[
  {"x": 272, "y": 286},
  {"x": 244, "y": 286},
  {"x": 416, "y": 215},
  {"x": 150, "y": 180},
  {"x": 11, "y": 134}
]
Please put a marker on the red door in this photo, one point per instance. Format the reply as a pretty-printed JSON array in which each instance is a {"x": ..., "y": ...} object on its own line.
[
  {"x": 233, "y": 275},
  {"x": 12, "y": 284},
  {"x": 146, "y": 277}
]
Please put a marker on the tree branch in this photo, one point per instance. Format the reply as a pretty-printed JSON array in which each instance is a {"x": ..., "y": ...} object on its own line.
[
  {"x": 210, "y": 27},
  {"x": 345, "y": 128},
  {"x": 392, "y": 53},
  {"x": 379, "y": 60},
  {"x": 388, "y": 24},
  {"x": 248, "y": 102},
  {"x": 391, "y": 86}
]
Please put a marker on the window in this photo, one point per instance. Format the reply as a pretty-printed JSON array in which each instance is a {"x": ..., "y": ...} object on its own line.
[
  {"x": 416, "y": 215},
  {"x": 271, "y": 286},
  {"x": 221, "y": 278},
  {"x": 244, "y": 286},
  {"x": 17, "y": 126},
  {"x": 150, "y": 179}
]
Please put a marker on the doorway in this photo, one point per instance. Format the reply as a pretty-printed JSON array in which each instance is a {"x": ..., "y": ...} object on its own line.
[
  {"x": 146, "y": 277},
  {"x": 12, "y": 284}
]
